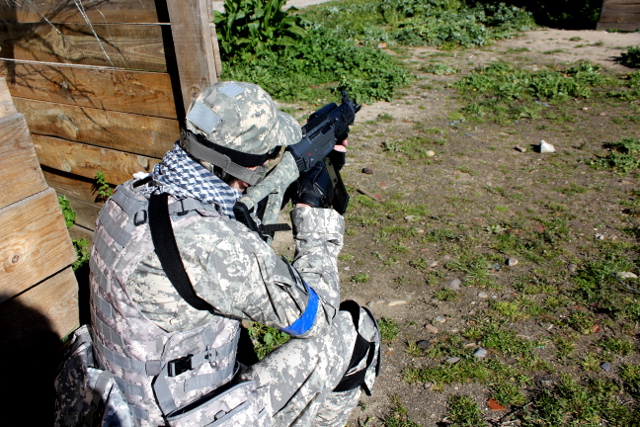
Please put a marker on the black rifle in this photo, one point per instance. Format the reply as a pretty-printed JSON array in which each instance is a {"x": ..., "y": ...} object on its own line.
[{"x": 324, "y": 129}]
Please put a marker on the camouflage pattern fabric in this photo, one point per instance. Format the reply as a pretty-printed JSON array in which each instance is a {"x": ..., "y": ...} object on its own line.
[{"x": 241, "y": 116}]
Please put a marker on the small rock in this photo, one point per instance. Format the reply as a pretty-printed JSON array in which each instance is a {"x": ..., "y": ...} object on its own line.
[
  {"x": 347, "y": 268},
  {"x": 368, "y": 171},
  {"x": 439, "y": 319},
  {"x": 483, "y": 295},
  {"x": 424, "y": 344},
  {"x": 452, "y": 360},
  {"x": 396, "y": 303},
  {"x": 585, "y": 108},
  {"x": 511, "y": 262},
  {"x": 480, "y": 353},
  {"x": 409, "y": 218},
  {"x": 428, "y": 385},
  {"x": 520, "y": 149},
  {"x": 430, "y": 153},
  {"x": 599, "y": 236},
  {"x": 432, "y": 264},
  {"x": 627, "y": 275},
  {"x": 431, "y": 329},
  {"x": 572, "y": 268},
  {"x": 606, "y": 366},
  {"x": 545, "y": 147},
  {"x": 603, "y": 114},
  {"x": 454, "y": 285}
]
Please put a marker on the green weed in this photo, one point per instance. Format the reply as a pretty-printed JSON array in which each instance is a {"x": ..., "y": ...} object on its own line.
[
  {"x": 463, "y": 412},
  {"x": 248, "y": 28},
  {"x": 398, "y": 416},
  {"x": 360, "y": 278},
  {"x": 624, "y": 156},
  {"x": 389, "y": 330},
  {"x": 101, "y": 187},
  {"x": 446, "y": 295},
  {"x": 265, "y": 339},
  {"x": 630, "y": 58}
]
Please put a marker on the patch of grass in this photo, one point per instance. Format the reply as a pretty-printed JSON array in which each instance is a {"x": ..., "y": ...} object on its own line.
[
  {"x": 389, "y": 330},
  {"x": 463, "y": 412},
  {"x": 616, "y": 345},
  {"x": 414, "y": 147},
  {"x": 624, "y": 156},
  {"x": 398, "y": 416},
  {"x": 360, "y": 278},
  {"x": 571, "y": 403},
  {"x": 502, "y": 92},
  {"x": 439, "y": 69},
  {"x": 446, "y": 295}
]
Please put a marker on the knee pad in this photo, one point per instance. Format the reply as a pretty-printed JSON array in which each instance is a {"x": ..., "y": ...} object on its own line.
[{"x": 364, "y": 366}]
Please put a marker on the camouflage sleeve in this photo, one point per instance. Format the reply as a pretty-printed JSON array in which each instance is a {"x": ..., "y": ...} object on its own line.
[
  {"x": 242, "y": 277},
  {"x": 318, "y": 234}
]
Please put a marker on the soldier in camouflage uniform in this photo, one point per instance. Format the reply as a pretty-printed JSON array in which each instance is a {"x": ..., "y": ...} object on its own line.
[{"x": 175, "y": 363}]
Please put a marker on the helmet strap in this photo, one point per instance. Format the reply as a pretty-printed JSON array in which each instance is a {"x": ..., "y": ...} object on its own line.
[{"x": 200, "y": 151}]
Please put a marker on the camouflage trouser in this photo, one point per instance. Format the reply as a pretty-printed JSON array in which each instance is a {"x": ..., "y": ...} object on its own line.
[{"x": 296, "y": 380}]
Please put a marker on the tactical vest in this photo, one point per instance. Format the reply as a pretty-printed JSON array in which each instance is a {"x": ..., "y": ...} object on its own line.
[{"x": 172, "y": 378}]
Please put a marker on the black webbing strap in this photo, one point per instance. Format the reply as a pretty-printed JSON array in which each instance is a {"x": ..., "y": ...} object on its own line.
[
  {"x": 362, "y": 346},
  {"x": 164, "y": 242}
]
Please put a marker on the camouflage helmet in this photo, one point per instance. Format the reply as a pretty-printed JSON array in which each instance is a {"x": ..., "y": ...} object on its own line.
[{"x": 242, "y": 117}]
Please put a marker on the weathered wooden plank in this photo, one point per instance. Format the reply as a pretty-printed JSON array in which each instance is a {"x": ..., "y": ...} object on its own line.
[
  {"x": 85, "y": 160},
  {"x": 73, "y": 186},
  {"x": 621, "y": 18},
  {"x": 35, "y": 242},
  {"x": 54, "y": 302},
  {"x": 617, "y": 26},
  {"x": 6, "y": 102},
  {"x": 193, "y": 46},
  {"x": 149, "y": 136},
  {"x": 67, "y": 11},
  {"x": 77, "y": 232},
  {"x": 20, "y": 175},
  {"x": 103, "y": 88},
  {"x": 138, "y": 47},
  {"x": 14, "y": 133},
  {"x": 86, "y": 213}
]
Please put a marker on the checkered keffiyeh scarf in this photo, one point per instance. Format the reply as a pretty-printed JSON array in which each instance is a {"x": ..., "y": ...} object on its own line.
[{"x": 182, "y": 177}]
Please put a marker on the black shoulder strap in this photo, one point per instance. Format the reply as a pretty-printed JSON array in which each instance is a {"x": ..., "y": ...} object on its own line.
[{"x": 166, "y": 248}]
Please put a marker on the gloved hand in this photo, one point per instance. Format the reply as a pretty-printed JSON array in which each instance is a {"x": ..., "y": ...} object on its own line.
[{"x": 314, "y": 188}]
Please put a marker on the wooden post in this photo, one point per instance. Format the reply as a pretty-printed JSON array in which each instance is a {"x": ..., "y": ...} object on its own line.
[{"x": 193, "y": 46}]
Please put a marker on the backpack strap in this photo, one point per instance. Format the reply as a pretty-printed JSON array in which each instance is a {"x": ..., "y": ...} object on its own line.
[{"x": 164, "y": 241}]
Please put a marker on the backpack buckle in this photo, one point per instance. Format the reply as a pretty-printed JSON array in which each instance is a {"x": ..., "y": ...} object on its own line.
[{"x": 178, "y": 366}]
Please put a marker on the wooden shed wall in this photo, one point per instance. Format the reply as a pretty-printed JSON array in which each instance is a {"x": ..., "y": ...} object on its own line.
[
  {"x": 104, "y": 85},
  {"x": 38, "y": 290},
  {"x": 620, "y": 15}
]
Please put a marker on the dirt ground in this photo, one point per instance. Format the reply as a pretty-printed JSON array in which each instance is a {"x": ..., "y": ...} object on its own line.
[{"x": 455, "y": 196}]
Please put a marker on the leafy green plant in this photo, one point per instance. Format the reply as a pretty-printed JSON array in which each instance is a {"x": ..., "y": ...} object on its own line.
[
  {"x": 631, "y": 58},
  {"x": 101, "y": 186},
  {"x": 67, "y": 213},
  {"x": 81, "y": 246},
  {"x": 250, "y": 27},
  {"x": 266, "y": 339},
  {"x": 504, "y": 92},
  {"x": 624, "y": 156}
]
